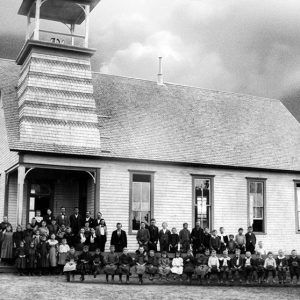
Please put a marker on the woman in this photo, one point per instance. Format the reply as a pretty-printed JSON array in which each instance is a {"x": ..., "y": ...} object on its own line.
[
  {"x": 44, "y": 229},
  {"x": 7, "y": 245}
]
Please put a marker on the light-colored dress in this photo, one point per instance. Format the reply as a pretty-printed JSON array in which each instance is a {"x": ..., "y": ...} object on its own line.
[
  {"x": 62, "y": 253},
  {"x": 53, "y": 252},
  {"x": 177, "y": 265}
]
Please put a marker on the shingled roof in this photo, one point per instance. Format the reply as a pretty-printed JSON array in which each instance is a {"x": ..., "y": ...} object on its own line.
[{"x": 180, "y": 124}]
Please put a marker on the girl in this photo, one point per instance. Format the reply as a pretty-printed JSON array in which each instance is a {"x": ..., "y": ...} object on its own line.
[
  {"x": 92, "y": 240},
  {"x": 140, "y": 261},
  {"x": 174, "y": 240},
  {"x": 111, "y": 262},
  {"x": 125, "y": 262},
  {"x": 69, "y": 236},
  {"x": 259, "y": 268},
  {"x": 18, "y": 237},
  {"x": 282, "y": 266},
  {"x": 44, "y": 229},
  {"x": 98, "y": 262},
  {"x": 84, "y": 260},
  {"x": 202, "y": 265},
  {"x": 21, "y": 259},
  {"x": 189, "y": 265},
  {"x": 36, "y": 238},
  {"x": 164, "y": 266},
  {"x": 177, "y": 265},
  {"x": 152, "y": 264},
  {"x": 32, "y": 259},
  {"x": 7, "y": 245},
  {"x": 61, "y": 233},
  {"x": 53, "y": 243},
  {"x": 80, "y": 240},
  {"x": 63, "y": 249},
  {"x": 213, "y": 265},
  {"x": 43, "y": 254},
  {"x": 71, "y": 263}
]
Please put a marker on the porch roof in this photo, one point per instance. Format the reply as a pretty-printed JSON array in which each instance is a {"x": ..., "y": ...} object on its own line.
[{"x": 175, "y": 123}]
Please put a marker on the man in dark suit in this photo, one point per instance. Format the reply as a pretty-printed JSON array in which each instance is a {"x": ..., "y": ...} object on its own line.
[
  {"x": 250, "y": 240},
  {"x": 98, "y": 219},
  {"x": 197, "y": 238},
  {"x": 119, "y": 238},
  {"x": 62, "y": 218},
  {"x": 88, "y": 219},
  {"x": 224, "y": 239},
  {"x": 75, "y": 221},
  {"x": 153, "y": 230}
]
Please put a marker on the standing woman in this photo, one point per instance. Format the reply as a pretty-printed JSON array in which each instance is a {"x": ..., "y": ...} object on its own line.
[
  {"x": 48, "y": 217},
  {"x": 101, "y": 232},
  {"x": 7, "y": 245},
  {"x": 53, "y": 251}
]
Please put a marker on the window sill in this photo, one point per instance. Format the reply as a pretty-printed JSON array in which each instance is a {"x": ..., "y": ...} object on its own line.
[{"x": 261, "y": 233}]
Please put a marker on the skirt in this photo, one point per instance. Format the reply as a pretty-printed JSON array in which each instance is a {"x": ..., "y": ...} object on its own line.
[
  {"x": 201, "y": 270},
  {"x": 69, "y": 267},
  {"x": 21, "y": 263},
  {"x": 164, "y": 270},
  {"x": 124, "y": 270},
  {"x": 62, "y": 258},
  {"x": 140, "y": 270},
  {"x": 52, "y": 257},
  {"x": 177, "y": 270},
  {"x": 188, "y": 269},
  {"x": 151, "y": 269},
  {"x": 110, "y": 269},
  {"x": 83, "y": 268}
]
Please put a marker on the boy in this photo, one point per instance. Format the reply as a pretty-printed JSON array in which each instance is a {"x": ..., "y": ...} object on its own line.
[
  {"x": 259, "y": 268},
  {"x": 152, "y": 265},
  {"x": 185, "y": 238},
  {"x": 260, "y": 249},
  {"x": 294, "y": 264},
  {"x": 250, "y": 240},
  {"x": 223, "y": 239},
  {"x": 213, "y": 265},
  {"x": 214, "y": 242},
  {"x": 202, "y": 265},
  {"x": 206, "y": 239},
  {"x": 225, "y": 266},
  {"x": 231, "y": 244},
  {"x": 270, "y": 267},
  {"x": 140, "y": 261},
  {"x": 248, "y": 266},
  {"x": 174, "y": 241},
  {"x": 240, "y": 240},
  {"x": 111, "y": 261},
  {"x": 97, "y": 262},
  {"x": 237, "y": 266},
  {"x": 282, "y": 265},
  {"x": 125, "y": 262}
]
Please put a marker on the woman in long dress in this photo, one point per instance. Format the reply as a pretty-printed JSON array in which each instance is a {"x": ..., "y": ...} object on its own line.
[
  {"x": 53, "y": 243},
  {"x": 7, "y": 246}
]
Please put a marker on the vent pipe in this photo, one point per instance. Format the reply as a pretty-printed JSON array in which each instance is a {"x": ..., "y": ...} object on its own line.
[{"x": 160, "y": 79}]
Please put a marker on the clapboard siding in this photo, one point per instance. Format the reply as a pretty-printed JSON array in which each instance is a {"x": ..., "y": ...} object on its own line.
[
  {"x": 12, "y": 199},
  {"x": 90, "y": 196}
]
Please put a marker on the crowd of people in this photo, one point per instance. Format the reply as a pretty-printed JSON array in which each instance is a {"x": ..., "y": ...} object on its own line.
[{"x": 75, "y": 245}]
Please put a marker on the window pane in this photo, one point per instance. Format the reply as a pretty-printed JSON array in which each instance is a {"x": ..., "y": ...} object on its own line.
[
  {"x": 136, "y": 220},
  {"x": 145, "y": 201},
  {"x": 136, "y": 196},
  {"x": 252, "y": 188},
  {"x": 259, "y": 187},
  {"x": 258, "y": 225},
  {"x": 257, "y": 213}
]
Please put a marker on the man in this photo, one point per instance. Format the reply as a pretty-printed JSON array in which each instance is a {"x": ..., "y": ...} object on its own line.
[
  {"x": 250, "y": 240},
  {"x": 185, "y": 238},
  {"x": 197, "y": 238},
  {"x": 75, "y": 221},
  {"x": 153, "y": 231},
  {"x": 4, "y": 224},
  {"x": 97, "y": 221},
  {"x": 143, "y": 236},
  {"x": 62, "y": 218},
  {"x": 223, "y": 239},
  {"x": 88, "y": 219},
  {"x": 119, "y": 238}
]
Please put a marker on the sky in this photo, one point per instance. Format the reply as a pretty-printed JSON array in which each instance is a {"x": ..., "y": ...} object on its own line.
[{"x": 243, "y": 46}]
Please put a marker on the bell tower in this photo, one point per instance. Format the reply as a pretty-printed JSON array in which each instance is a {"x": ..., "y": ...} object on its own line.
[{"x": 55, "y": 89}]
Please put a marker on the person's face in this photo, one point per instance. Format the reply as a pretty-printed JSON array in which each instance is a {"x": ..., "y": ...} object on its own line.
[
  {"x": 22, "y": 244},
  {"x": 164, "y": 255},
  {"x": 206, "y": 252},
  {"x": 173, "y": 230},
  {"x": 63, "y": 210},
  {"x": 197, "y": 224},
  {"x": 53, "y": 222},
  {"x": 102, "y": 222},
  {"x": 97, "y": 251},
  {"x": 214, "y": 233},
  {"x": 237, "y": 253},
  {"x": 81, "y": 230},
  {"x": 31, "y": 245},
  {"x": 270, "y": 255},
  {"x": 76, "y": 210},
  {"x": 142, "y": 225},
  {"x": 151, "y": 253},
  {"x": 28, "y": 226},
  {"x": 260, "y": 244},
  {"x": 49, "y": 211},
  {"x": 43, "y": 223},
  {"x": 99, "y": 215},
  {"x": 294, "y": 253},
  {"x": 206, "y": 230},
  {"x": 213, "y": 253},
  {"x": 63, "y": 227},
  {"x": 87, "y": 214},
  {"x": 68, "y": 230},
  {"x": 119, "y": 226},
  {"x": 43, "y": 238},
  {"x": 37, "y": 233},
  {"x": 177, "y": 254},
  {"x": 38, "y": 213},
  {"x": 231, "y": 237},
  {"x": 85, "y": 249},
  {"x": 280, "y": 252},
  {"x": 72, "y": 250},
  {"x": 222, "y": 230},
  {"x": 141, "y": 249},
  {"x": 19, "y": 228},
  {"x": 250, "y": 229},
  {"x": 248, "y": 254},
  {"x": 5, "y": 219},
  {"x": 125, "y": 251},
  {"x": 112, "y": 249},
  {"x": 92, "y": 230},
  {"x": 64, "y": 241},
  {"x": 87, "y": 224},
  {"x": 52, "y": 236},
  {"x": 153, "y": 223},
  {"x": 240, "y": 232},
  {"x": 225, "y": 254},
  {"x": 164, "y": 225},
  {"x": 185, "y": 226}
]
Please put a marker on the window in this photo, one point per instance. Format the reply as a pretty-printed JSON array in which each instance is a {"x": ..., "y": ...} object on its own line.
[
  {"x": 256, "y": 204},
  {"x": 141, "y": 194},
  {"x": 202, "y": 195},
  {"x": 297, "y": 192}
]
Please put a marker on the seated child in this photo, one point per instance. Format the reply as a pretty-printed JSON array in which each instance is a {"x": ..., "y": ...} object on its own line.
[
  {"x": 213, "y": 265},
  {"x": 177, "y": 265},
  {"x": 174, "y": 241},
  {"x": 84, "y": 262},
  {"x": 152, "y": 264},
  {"x": 71, "y": 263},
  {"x": 140, "y": 263},
  {"x": 237, "y": 266},
  {"x": 248, "y": 266},
  {"x": 294, "y": 265},
  {"x": 189, "y": 265},
  {"x": 202, "y": 265},
  {"x": 21, "y": 258},
  {"x": 240, "y": 240},
  {"x": 259, "y": 268},
  {"x": 111, "y": 263},
  {"x": 185, "y": 238},
  {"x": 97, "y": 262},
  {"x": 164, "y": 266},
  {"x": 125, "y": 262},
  {"x": 69, "y": 236},
  {"x": 63, "y": 249},
  {"x": 32, "y": 259},
  {"x": 282, "y": 266},
  {"x": 231, "y": 244},
  {"x": 270, "y": 266},
  {"x": 225, "y": 266},
  {"x": 80, "y": 240}
]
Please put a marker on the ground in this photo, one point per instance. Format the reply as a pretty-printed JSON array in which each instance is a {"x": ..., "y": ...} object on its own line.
[{"x": 56, "y": 287}]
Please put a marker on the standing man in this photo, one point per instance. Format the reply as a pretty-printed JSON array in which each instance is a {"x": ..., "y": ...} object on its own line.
[
  {"x": 197, "y": 238},
  {"x": 75, "y": 221},
  {"x": 62, "y": 218},
  {"x": 153, "y": 231},
  {"x": 143, "y": 236},
  {"x": 119, "y": 238},
  {"x": 164, "y": 237},
  {"x": 98, "y": 219},
  {"x": 185, "y": 238},
  {"x": 88, "y": 219},
  {"x": 250, "y": 240}
]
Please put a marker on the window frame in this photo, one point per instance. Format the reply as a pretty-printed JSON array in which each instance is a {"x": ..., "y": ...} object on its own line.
[
  {"x": 263, "y": 181},
  {"x": 297, "y": 206},
  {"x": 211, "y": 178},
  {"x": 140, "y": 172}
]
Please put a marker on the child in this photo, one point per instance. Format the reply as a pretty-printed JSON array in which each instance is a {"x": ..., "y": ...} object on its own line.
[
  {"x": 52, "y": 227},
  {"x": 282, "y": 265},
  {"x": 231, "y": 244},
  {"x": 69, "y": 236},
  {"x": 92, "y": 240},
  {"x": 111, "y": 262},
  {"x": 189, "y": 265},
  {"x": 164, "y": 266},
  {"x": 84, "y": 260},
  {"x": 174, "y": 240},
  {"x": 294, "y": 264},
  {"x": 237, "y": 266},
  {"x": 250, "y": 240},
  {"x": 125, "y": 262},
  {"x": 18, "y": 237},
  {"x": 44, "y": 229},
  {"x": 63, "y": 249},
  {"x": 225, "y": 266},
  {"x": 61, "y": 233},
  {"x": 43, "y": 254},
  {"x": 164, "y": 237},
  {"x": 214, "y": 242},
  {"x": 7, "y": 245},
  {"x": 213, "y": 265},
  {"x": 185, "y": 238},
  {"x": 202, "y": 265},
  {"x": 140, "y": 261},
  {"x": 240, "y": 240},
  {"x": 53, "y": 243},
  {"x": 270, "y": 266},
  {"x": 36, "y": 238},
  {"x": 80, "y": 240},
  {"x": 71, "y": 263},
  {"x": 259, "y": 268},
  {"x": 260, "y": 249},
  {"x": 21, "y": 258},
  {"x": 223, "y": 239},
  {"x": 152, "y": 264},
  {"x": 206, "y": 239},
  {"x": 28, "y": 234},
  {"x": 248, "y": 266},
  {"x": 97, "y": 262},
  {"x": 32, "y": 259},
  {"x": 177, "y": 265}
]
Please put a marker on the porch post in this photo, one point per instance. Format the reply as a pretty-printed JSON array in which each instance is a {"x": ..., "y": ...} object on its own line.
[
  {"x": 97, "y": 192},
  {"x": 38, "y": 4},
  {"x": 20, "y": 193},
  {"x": 87, "y": 25}
]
